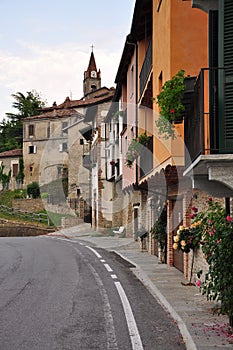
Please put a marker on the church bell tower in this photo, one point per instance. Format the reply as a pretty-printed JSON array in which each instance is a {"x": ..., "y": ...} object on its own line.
[{"x": 92, "y": 77}]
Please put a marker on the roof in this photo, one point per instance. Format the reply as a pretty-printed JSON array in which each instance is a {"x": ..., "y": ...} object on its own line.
[
  {"x": 12, "y": 153},
  {"x": 142, "y": 18},
  {"x": 55, "y": 113},
  {"x": 96, "y": 99}
]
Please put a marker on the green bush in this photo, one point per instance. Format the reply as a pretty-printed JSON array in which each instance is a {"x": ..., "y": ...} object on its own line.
[
  {"x": 20, "y": 194},
  {"x": 33, "y": 190}
]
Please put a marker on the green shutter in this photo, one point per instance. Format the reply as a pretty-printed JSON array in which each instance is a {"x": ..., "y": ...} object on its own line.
[{"x": 226, "y": 75}]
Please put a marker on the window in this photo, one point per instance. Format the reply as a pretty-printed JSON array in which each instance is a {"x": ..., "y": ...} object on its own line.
[
  {"x": 63, "y": 147},
  {"x": 132, "y": 81},
  {"x": 160, "y": 81},
  {"x": 31, "y": 170},
  {"x": 31, "y": 149},
  {"x": 48, "y": 131},
  {"x": 93, "y": 87},
  {"x": 59, "y": 170},
  {"x": 15, "y": 169},
  {"x": 64, "y": 125},
  {"x": 31, "y": 130}
]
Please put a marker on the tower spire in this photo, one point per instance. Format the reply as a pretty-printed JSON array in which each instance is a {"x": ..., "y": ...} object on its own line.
[
  {"x": 92, "y": 64},
  {"x": 92, "y": 77}
]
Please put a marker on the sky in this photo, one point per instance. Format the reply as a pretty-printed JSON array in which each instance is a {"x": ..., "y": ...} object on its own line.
[{"x": 46, "y": 45}]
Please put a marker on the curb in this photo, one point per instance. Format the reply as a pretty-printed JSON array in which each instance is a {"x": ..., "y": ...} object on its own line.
[{"x": 139, "y": 273}]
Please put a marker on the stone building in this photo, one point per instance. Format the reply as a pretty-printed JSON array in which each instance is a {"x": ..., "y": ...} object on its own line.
[
  {"x": 11, "y": 162},
  {"x": 57, "y": 143}
]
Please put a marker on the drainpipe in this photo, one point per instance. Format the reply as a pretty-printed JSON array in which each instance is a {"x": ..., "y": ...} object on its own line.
[{"x": 136, "y": 98}]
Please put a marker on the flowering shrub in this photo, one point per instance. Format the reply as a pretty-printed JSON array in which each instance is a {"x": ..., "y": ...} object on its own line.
[
  {"x": 188, "y": 238},
  {"x": 212, "y": 229},
  {"x": 217, "y": 246}
]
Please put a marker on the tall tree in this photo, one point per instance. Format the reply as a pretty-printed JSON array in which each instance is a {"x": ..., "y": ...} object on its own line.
[{"x": 11, "y": 130}]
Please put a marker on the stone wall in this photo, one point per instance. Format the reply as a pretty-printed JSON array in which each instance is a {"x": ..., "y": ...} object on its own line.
[
  {"x": 8, "y": 230},
  {"x": 28, "y": 204}
]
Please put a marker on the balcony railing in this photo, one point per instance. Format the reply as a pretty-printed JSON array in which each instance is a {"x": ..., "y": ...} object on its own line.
[
  {"x": 146, "y": 159},
  {"x": 146, "y": 68},
  {"x": 208, "y": 125}
]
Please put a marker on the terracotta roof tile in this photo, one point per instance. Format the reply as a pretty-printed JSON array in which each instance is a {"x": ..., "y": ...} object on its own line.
[
  {"x": 90, "y": 101},
  {"x": 55, "y": 113},
  {"x": 12, "y": 153}
]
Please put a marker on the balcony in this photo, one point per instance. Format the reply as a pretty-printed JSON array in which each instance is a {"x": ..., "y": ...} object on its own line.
[
  {"x": 208, "y": 130},
  {"x": 146, "y": 159},
  {"x": 146, "y": 68},
  {"x": 87, "y": 161}
]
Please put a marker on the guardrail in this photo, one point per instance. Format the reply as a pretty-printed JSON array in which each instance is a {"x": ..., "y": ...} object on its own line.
[{"x": 39, "y": 217}]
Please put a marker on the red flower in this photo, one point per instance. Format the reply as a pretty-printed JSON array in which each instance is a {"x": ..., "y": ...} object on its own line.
[
  {"x": 229, "y": 218},
  {"x": 194, "y": 209},
  {"x": 172, "y": 110},
  {"x": 198, "y": 283},
  {"x": 210, "y": 199}
]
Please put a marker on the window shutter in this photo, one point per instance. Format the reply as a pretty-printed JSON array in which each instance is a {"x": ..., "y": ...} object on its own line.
[
  {"x": 226, "y": 75},
  {"x": 60, "y": 147},
  {"x": 34, "y": 149}
]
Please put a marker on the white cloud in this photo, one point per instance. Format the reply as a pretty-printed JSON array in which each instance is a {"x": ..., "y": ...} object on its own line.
[{"x": 55, "y": 72}]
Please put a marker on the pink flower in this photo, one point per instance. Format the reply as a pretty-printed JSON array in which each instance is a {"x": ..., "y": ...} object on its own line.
[
  {"x": 229, "y": 218},
  {"x": 198, "y": 283},
  {"x": 192, "y": 216},
  {"x": 194, "y": 209}
]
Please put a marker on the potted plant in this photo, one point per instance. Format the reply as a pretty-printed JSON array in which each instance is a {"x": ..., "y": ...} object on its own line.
[
  {"x": 170, "y": 104},
  {"x": 135, "y": 148}
]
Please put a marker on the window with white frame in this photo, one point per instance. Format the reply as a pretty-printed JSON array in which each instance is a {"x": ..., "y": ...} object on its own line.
[
  {"x": 63, "y": 147},
  {"x": 32, "y": 149}
]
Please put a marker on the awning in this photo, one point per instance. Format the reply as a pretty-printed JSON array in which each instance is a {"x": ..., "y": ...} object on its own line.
[
  {"x": 91, "y": 113},
  {"x": 86, "y": 132}
]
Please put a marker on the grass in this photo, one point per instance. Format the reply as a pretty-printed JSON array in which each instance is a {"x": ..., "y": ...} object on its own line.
[{"x": 6, "y": 198}]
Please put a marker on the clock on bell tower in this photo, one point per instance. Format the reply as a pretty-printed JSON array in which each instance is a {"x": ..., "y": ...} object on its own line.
[{"x": 92, "y": 77}]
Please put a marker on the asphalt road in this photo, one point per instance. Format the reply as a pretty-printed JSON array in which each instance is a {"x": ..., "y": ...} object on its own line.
[{"x": 66, "y": 295}]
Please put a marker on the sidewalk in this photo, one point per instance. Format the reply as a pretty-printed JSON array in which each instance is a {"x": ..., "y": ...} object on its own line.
[{"x": 193, "y": 313}]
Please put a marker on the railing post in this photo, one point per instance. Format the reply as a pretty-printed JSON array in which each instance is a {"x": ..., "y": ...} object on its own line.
[
  {"x": 202, "y": 101},
  {"x": 48, "y": 220}
]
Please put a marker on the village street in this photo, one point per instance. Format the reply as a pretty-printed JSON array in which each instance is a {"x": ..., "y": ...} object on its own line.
[{"x": 63, "y": 294}]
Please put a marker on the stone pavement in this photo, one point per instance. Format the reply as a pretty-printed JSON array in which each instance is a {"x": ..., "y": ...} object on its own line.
[{"x": 192, "y": 312}]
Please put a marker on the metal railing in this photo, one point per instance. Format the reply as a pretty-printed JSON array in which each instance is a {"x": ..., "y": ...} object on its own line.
[{"x": 208, "y": 126}]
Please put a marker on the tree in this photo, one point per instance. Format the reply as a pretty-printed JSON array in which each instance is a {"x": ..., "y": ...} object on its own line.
[
  {"x": 11, "y": 130},
  {"x": 4, "y": 178},
  {"x": 33, "y": 190}
]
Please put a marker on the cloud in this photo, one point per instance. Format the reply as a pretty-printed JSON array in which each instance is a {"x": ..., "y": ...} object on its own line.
[{"x": 55, "y": 72}]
